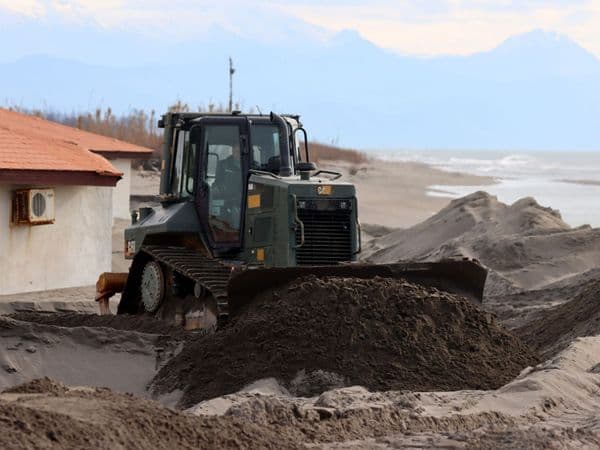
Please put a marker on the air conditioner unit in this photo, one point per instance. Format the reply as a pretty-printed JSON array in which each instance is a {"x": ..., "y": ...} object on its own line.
[{"x": 33, "y": 207}]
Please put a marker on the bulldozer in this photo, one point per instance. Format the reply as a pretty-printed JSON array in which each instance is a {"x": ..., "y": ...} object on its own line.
[{"x": 243, "y": 209}]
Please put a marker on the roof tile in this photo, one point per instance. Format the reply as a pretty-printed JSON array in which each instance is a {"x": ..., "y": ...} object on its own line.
[{"x": 32, "y": 143}]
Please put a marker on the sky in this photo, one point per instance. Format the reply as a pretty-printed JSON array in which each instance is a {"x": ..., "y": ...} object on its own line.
[{"x": 413, "y": 27}]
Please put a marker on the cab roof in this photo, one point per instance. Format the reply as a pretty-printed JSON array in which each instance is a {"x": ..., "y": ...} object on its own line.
[{"x": 189, "y": 116}]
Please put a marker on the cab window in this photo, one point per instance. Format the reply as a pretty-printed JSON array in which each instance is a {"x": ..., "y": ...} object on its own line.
[{"x": 224, "y": 179}]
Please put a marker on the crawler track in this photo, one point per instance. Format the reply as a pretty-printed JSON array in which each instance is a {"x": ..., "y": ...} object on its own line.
[{"x": 211, "y": 274}]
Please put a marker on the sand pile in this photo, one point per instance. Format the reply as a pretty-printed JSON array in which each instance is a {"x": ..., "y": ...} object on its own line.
[
  {"x": 525, "y": 245},
  {"x": 556, "y": 328},
  {"x": 382, "y": 334}
]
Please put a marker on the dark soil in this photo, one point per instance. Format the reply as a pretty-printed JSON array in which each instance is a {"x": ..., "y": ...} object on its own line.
[
  {"x": 383, "y": 334},
  {"x": 556, "y": 328}
]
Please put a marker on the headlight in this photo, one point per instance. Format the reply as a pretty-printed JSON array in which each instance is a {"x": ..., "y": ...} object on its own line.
[{"x": 129, "y": 249}]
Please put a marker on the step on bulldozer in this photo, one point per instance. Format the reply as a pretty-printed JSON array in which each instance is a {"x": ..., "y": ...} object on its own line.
[{"x": 243, "y": 209}]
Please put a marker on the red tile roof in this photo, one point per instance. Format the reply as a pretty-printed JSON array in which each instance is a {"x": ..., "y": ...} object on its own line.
[{"x": 29, "y": 144}]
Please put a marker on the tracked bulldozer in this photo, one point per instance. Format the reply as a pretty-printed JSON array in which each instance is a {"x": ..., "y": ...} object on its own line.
[{"x": 242, "y": 210}]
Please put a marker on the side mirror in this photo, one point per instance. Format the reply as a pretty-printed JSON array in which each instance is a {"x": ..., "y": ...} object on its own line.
[{"x": 306, "y": 166}]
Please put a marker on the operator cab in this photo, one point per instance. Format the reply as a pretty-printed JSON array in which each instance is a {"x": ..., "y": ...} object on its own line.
[{"x": 212, "y": 157}]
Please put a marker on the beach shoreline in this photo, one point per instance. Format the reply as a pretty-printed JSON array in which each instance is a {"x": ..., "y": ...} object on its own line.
[{"x": 395, "y": 194}]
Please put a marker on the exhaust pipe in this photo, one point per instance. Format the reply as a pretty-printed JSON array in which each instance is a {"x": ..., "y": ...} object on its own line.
[{"x": 285, "y": 170}]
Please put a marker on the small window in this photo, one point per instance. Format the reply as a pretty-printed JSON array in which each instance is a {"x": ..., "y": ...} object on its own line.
[
  {"x": 266, "y": 149},
  {"x": 182, "y": 182},
  {"x": 189, "y": 170}
]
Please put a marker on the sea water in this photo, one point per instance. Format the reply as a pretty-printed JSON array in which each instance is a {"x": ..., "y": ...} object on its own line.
[{"x": 567, "y": 181}]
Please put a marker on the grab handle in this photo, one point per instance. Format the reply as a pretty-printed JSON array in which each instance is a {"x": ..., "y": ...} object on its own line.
[
  {"x": 358, "y": 228},
  {"x": 297, "y": 221}
]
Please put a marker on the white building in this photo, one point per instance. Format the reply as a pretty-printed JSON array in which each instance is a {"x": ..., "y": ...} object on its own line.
[
  {"x": 57, "y": 202},
  {"x": 121, "y": 158}
]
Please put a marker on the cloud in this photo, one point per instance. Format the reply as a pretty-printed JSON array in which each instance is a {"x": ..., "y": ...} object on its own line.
[
  {"x": 186, "y": 19},
  {"x": 454, "y": 26},
  {"x": 421, "y": 27},
  {"x": 28, "y": 8}
]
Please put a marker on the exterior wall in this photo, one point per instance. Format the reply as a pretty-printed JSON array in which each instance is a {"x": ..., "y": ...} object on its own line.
[
  {"x": 122, "y": 191},
  {"x": 71, "y": 252}
]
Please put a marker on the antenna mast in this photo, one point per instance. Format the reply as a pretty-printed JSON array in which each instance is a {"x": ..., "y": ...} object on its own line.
[{"x": 231, "y": 72}]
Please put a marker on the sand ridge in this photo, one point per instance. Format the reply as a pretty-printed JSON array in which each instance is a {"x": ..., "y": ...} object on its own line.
[
  {"x": 554, "y": 329},
  {"x": 552, "y": 405},
  {"x": 525, "y": 246}
]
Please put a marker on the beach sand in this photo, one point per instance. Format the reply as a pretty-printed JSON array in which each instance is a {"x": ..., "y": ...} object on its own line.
[{"x": 541, "y": 296}]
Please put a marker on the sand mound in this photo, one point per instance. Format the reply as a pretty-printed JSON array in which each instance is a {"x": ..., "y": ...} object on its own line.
[
  {"x": 525, "y": 245},
  {"x": 381, "y": 333},
  {"x": 477, "y": 213},
  {"x": 556, "y": 328}
]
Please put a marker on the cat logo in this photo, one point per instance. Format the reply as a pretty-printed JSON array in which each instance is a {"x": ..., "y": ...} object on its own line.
[{"x": 324, "y": 190}]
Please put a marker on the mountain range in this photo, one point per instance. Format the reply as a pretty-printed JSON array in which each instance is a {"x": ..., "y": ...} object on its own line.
[{"x": 535, "y": 91}]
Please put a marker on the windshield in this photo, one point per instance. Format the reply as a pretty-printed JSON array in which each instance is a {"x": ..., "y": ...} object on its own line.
[{"x": 266, "y": 148}]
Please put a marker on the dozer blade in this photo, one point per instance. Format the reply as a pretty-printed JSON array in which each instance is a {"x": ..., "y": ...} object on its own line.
[{"x": 461, "y": 276}]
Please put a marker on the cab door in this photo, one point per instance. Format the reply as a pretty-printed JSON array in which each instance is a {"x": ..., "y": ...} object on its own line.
[{"x": 222, "y": 180}]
